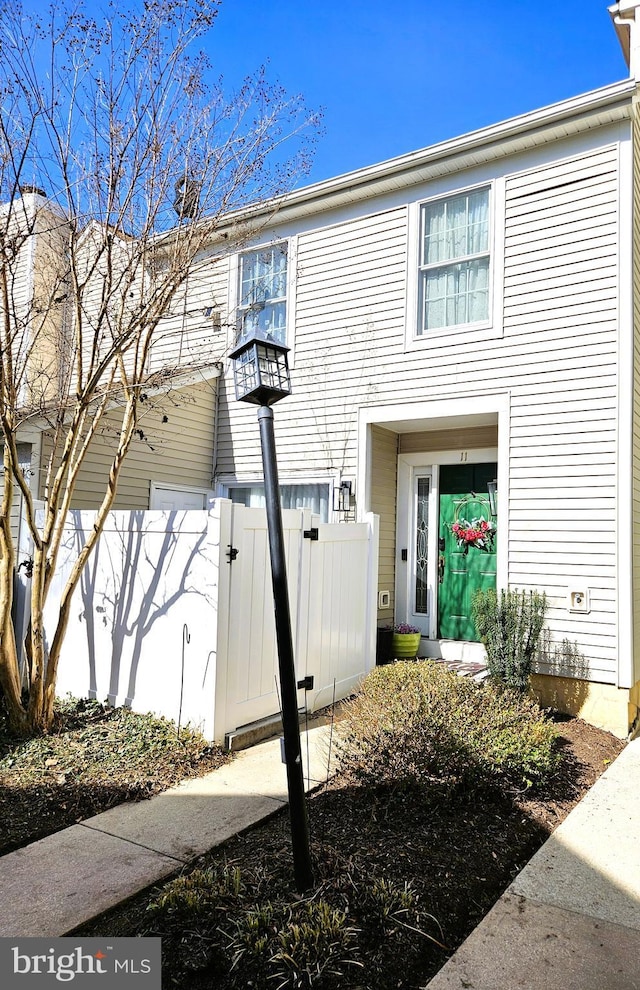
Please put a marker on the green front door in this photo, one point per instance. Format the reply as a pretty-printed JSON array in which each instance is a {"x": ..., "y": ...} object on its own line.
[{"x": 464, "y": 564}]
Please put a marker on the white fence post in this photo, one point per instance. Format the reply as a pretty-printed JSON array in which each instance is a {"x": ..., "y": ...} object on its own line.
[
  {"x": 302, "y": 597},
  {"x": 220, "y": 530},
  {"x": 373, "y": 522}
]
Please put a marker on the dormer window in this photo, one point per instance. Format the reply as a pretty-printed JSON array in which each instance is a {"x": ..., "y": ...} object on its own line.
[
  {"x": 263, "y": 292},
  {"x": 454, "y": 261}
]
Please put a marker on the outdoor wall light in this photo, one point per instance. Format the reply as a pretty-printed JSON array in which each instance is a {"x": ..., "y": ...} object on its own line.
[
  {"x": 261, "y": 370},
  {"x": 342, "y": 497},
  {"x": 261, "y": 374},
  {"x": 492, "y": 490}
]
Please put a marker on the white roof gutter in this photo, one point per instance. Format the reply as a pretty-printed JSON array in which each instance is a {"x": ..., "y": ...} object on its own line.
[
  {"x": 586, "y": 111},
  {"x": 623, "y": 15}
]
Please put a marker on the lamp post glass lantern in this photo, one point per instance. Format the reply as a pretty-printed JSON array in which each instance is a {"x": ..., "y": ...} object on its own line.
[
  {"x": 261, "y": 370},
  {"x": 261, "y": 373}
]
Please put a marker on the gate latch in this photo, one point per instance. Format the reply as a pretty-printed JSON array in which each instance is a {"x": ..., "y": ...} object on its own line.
[
  {"x": 306, "y": 683},
  {"x": 232, "y": 553},
  {"x": 311, "y": 534}
]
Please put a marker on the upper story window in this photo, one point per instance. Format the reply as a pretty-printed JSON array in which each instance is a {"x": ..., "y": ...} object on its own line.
[
  {"x": 454, "y": 261},
  {"x": 262, "y": 293}
]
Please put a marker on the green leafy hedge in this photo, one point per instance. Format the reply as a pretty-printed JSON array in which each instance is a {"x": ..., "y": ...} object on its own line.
[{"x": 420, "y": 723}]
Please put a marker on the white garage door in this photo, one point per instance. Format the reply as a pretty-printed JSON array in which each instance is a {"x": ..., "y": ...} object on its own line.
[{"x": 176, "y": 498}]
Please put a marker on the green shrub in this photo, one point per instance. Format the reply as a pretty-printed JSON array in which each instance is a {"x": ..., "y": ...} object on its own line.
[
  {"x": 510, "y": 625},
  {"x": 418, "y": 723}
]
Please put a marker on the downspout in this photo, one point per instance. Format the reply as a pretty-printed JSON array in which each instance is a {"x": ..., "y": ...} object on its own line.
[
  {"x": 623, "y": 15},
  {"x": 30, "y": 292},
  {"x": 216, "y": 414}
]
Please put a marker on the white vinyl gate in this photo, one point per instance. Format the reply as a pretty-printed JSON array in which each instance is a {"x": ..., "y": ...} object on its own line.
[
  {"x": 329, "y": 597},
  {"x": 175, "y": 612}
]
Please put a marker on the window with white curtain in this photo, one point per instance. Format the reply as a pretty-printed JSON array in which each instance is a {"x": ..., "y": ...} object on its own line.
[
  {"x": 454, "y": 261},
  {"x": 314, "y": 497},
  {"x": 262, "y": 295}
]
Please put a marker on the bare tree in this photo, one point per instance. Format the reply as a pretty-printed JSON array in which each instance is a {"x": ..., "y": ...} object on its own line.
[{"x": 120, "y": 167}]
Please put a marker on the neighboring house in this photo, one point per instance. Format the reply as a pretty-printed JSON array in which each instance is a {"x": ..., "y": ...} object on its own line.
[
  {"x": 170, "y": 463},
  {"x": 458, "y": 316}
]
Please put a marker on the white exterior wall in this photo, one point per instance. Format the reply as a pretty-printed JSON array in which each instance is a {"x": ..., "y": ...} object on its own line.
[
  {"x": 560, "y": 306},
  {"x": 193, "y": 331},
  {"x": 550, "y": 349}
]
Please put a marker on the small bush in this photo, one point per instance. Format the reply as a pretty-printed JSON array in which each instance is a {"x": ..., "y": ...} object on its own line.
[
  {"x": 316, "y": 943},
  {"x": 385, "y": 900},
  {"x": 303, "y": 945},
  {"x": 419, "y": 723},
  {"x": 197, "y": 892},
  {"x": 510, "y": 625}
]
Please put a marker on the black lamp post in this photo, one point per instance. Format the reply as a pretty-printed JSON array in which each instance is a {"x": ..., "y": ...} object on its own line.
[{"x": 261, "y": 373}]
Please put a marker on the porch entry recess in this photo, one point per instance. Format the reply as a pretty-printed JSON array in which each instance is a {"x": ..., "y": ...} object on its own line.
[
  {"x": 442, "y": 574},
  {"x": 174, "y": 614}
]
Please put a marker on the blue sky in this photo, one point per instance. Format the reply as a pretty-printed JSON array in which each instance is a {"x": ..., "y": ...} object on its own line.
[{"x": 396, "y": 76}]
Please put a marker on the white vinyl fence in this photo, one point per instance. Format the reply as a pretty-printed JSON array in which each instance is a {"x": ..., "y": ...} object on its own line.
[{"x": 174, "y": 613}]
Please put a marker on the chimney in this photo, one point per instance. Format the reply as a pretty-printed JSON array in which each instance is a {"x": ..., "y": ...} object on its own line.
[
  {"x": 36, "y": 190},
  {"x": 626, "y": 20}
]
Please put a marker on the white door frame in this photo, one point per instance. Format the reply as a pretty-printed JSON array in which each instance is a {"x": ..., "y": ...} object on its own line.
[
  {"x": 410, "y": 468},
  {"x": 441, "y": 414}
]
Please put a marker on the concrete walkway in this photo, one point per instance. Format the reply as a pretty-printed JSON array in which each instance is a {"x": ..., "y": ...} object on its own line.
[
  {"x": 570, "y": 920},
  {"x": 54, "y": 885}
]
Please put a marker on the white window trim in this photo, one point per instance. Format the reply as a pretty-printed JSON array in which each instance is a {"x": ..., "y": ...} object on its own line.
[
  {"x": 487, "y": 329},
  {"x": 234, "y": 288}
]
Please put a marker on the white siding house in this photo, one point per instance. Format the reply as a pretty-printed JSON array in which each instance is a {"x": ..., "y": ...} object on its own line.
[
  {"x": 464, "y": 333},
  {"x": 462, "y": 315}
]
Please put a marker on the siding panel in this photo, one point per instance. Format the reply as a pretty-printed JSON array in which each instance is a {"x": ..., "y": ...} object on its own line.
[
  {"x": 383, "y": 503},
  {"x": 178, "y": 452}
]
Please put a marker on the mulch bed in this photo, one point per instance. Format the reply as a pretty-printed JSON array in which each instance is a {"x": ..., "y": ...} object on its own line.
[
  {"x": 95, "y": 757},
  {"x": 454, "y": 854}
]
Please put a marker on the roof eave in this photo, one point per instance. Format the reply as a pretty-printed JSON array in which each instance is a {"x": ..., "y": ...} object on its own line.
[{"x": 495, "y": 140}]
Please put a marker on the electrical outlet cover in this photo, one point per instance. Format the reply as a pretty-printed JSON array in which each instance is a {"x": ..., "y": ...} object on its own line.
[{"x": 579, "y": 600}]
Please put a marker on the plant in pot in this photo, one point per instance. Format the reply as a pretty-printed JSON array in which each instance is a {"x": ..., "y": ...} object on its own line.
[{"x": 406, "y": 641}]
